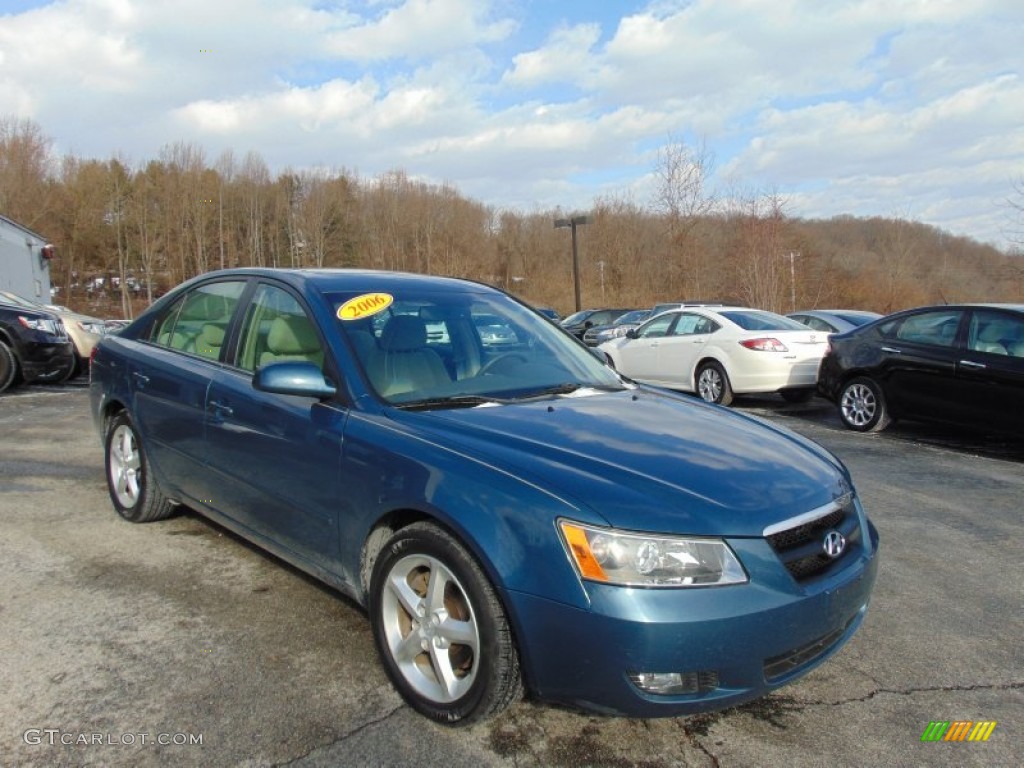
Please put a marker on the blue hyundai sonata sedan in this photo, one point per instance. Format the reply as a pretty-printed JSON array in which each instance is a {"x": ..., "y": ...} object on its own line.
[{"x": 515, "y": 517}]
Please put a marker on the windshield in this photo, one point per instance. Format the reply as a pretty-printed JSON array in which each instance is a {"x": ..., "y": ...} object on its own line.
[
  {"x": 18, "y": 301},
  {"x": 457, "y": 348},
  {"x": 759, "y": 320},
  {"x": 858, "y": 318},
  {"x": 636, "y": 316},
  {"x": 577, "y": 317}
]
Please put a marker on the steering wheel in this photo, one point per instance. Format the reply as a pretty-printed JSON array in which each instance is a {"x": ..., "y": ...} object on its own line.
[{"x": 494, "y": 361}]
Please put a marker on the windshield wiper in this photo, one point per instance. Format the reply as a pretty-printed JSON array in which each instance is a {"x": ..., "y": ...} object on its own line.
[
  {"x": 567, "y": 388},
  {"x": 454, "y": 401}
]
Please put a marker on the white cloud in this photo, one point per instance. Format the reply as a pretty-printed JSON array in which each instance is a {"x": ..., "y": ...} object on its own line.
[
  {"x": 417, "y": 29},
  {"x": 866, "y": 102},
  {"x": 565, "y": 58}
]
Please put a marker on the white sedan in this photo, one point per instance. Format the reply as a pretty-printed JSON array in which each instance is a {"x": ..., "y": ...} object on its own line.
[{"x": 722, "y": 351}]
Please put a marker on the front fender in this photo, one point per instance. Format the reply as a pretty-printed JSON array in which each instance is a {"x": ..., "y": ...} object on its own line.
[{"x": 508, "y": 522}]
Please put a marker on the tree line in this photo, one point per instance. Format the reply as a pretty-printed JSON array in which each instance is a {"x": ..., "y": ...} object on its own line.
[{"x": 146, "y": 227}]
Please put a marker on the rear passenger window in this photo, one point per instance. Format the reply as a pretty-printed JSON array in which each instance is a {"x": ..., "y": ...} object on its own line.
[
  {"x": 277, "y": 329},
  {"x": 938, "y": 328},
  {"x": 997, "y": 333},
  {"x": 198, "y": 322}
]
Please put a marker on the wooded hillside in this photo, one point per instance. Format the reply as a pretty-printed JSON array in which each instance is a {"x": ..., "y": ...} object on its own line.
[{"x": 145, "y": 227}]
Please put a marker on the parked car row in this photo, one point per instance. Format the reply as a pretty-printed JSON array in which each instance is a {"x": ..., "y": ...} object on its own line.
[
  {"x": 957, "y": 364},
  {"x": 43, "y": 342}
]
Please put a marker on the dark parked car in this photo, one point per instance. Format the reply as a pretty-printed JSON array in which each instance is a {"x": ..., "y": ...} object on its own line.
[
  {"x": 34, "y": 346},
  {"x": 834, "y": 320},
  {"x": 598, "y": 334},
  {"x": 961, "y": 364},
  {"x": 578, "y": 322},
  {"x": 472, "y": 500}
]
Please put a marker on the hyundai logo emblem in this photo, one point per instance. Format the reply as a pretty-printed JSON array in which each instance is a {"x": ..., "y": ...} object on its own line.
[{"x": 834, "y": 544}]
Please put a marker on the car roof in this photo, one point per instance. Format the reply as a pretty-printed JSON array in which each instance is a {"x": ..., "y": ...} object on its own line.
[
  {"x": 330, "y": 280},
  {"x": 967, "y": 305},
  {"x": 835, "y": 312}
]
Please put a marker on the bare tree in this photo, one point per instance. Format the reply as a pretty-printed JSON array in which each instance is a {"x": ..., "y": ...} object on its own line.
[
  {"x": 26, "y": 169},
  {"x": 1015, "y": 230},
  {"x": 682, "y": 197}
]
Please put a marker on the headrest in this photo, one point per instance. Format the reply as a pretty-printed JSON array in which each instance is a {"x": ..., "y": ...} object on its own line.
[
  {"x": 404, "y": 333},
  {"x": 995, "y": 331},
  {"x": 213, "y": 334},
  {"x": 206, "y": 306},
  {"x": 292, "y": 336}
]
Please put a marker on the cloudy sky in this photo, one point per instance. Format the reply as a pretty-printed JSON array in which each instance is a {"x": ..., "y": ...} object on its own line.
[{"x": 910, "y": 108}]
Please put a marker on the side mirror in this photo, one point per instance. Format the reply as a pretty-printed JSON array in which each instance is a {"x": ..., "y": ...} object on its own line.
[
  {"x": 631, "y": 333},
  {"x": 298, "y": 378},
  {"x": 588, "y": 324}
]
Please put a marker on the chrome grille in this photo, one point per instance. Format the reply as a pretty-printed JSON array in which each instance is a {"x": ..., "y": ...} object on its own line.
[{"x": 800, "y": 547}]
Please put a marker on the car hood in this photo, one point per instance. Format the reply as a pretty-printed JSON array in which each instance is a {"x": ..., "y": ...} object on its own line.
[{"x": 648, "y": 460}]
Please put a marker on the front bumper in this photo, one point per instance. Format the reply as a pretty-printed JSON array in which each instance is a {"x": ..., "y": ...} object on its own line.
[
  {"x": 45, "y": 357},
  {"x": 749, "y": 639}
]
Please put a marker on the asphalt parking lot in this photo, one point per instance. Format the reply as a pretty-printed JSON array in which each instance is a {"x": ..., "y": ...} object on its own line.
[{"x": 176, "y": 643}]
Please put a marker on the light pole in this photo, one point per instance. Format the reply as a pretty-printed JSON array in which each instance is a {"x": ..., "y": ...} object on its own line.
[
  {"x": 573, "y": 222},
  {"x": 792, "y": 280}
]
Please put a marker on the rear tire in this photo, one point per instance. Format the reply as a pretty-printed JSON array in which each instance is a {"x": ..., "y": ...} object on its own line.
[
  {"x": 713, "y": 384},
  {"x": 8, "y": 367},
  {"x": 862, "y": 406},
  {"x": 133, "y": 490},
  {"x": 440, "y": 629}
]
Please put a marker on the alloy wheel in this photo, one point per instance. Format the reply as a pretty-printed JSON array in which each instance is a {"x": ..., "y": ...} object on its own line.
[
  {"x": 430, "y": 628},
  {"x": 125, "y": 466},
  {"x": 858, "y": 404}
]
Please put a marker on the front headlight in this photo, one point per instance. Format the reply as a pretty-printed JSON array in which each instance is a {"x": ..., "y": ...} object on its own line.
[
  {"x": 649, "y": 560},
  {"x": 46, "y": 326}
]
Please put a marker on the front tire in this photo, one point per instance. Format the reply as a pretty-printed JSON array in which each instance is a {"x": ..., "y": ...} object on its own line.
[
  {"x": 713, "y": 384},
  {"x": 862, "y": 406},
  {"x": 8, "y": 367},
  {"x": 440, "y": 628},
  {"x": 134, "y": 492}
]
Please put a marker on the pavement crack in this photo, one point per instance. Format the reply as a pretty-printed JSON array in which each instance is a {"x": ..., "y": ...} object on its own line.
[
  {"x": 1012, "y": 686},
  {"x": 354, "y": 732}
]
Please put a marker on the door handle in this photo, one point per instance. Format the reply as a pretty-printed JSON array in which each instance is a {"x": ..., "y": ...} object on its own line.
[
  {"x": 893, "y": 350},
  {"x": 221, "y": 408},
  {"x": 140, "y": 378},
  {"x": 972, "y": 364}
]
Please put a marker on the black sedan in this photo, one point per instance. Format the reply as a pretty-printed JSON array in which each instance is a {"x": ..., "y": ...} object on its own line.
[
  {"x": 578, "y": 323},
  {"x": 34, "y": 346},
  {"x": 958, "y": 364}
]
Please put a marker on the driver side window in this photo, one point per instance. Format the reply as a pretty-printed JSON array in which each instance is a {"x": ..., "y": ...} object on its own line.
[
  {"x": 657, "y": 328},
  {"x": 277, "y": 329}
]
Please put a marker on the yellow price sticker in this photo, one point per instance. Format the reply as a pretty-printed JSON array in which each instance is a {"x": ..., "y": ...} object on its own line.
[{"x": 367, "y": 305}]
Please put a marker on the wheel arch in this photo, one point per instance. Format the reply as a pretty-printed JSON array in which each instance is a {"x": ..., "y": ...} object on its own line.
[
  {"x": 704, "y": 360},
  {"x": 109, "y": 411},
  {"x": 397, "y": 519}
]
